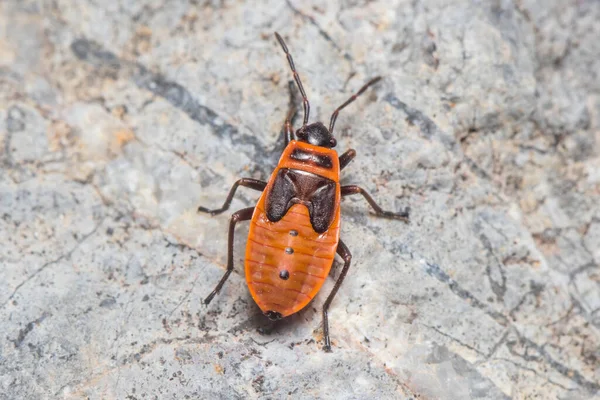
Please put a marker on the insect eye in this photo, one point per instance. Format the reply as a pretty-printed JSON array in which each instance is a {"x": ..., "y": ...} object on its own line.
[
  {"x": 301, "y": 134},
  {"x": 332, "y": 142}
]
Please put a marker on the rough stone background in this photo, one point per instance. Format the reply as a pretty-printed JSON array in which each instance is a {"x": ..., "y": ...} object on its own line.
[{"x": 117, "y": 119}]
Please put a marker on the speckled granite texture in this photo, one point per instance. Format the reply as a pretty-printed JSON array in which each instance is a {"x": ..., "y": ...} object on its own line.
[{"x": 118, "y": 119}]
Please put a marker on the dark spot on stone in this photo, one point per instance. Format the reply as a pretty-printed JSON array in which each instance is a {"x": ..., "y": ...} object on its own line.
[
  {"x": 108, "y": 303},
  {"x": 110, "y": 231},
  {"x": 145, "y": 298},
  {"x": 15, "y": 121}
]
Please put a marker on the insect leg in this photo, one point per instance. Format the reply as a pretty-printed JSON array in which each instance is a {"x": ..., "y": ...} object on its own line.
[
  {"x": 350, "y": 100},
  {"x": 353, "y": 189},
  {"x": 247, "y": 182},
  {"x": 346, "y": 158},
  {"x": 241, "y": 215},
  {"x": 343, "y": 251}
]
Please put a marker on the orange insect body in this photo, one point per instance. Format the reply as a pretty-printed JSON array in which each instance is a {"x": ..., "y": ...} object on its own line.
[
  {"x": 295, "y": 227},
  {"x": 291, "y": 245}
]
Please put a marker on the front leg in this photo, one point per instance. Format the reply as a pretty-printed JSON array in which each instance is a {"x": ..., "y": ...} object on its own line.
[
  {"x": 247, "y": 182},
  {"x": 353, "y": 189},
  {"x": 346, "y": 158},
  {"x": 288, "y": 129}
]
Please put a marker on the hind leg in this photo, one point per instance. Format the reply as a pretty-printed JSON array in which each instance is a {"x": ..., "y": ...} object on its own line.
[{"x": 344, "y": 252}]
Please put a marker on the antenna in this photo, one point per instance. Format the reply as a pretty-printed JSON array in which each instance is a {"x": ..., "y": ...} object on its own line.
[{"x": 296, "y": 78}]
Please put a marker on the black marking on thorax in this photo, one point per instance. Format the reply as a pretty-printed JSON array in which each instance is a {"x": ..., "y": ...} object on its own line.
[
  {"x": 292, "y": 186},
  {"x": 317, "y": 159}
]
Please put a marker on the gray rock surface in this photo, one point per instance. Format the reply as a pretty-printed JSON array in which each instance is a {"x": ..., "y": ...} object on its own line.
[{"x": 117, "y": 119}]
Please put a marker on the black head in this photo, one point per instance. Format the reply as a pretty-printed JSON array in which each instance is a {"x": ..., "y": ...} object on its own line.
[{"x": 316, "y": 134}]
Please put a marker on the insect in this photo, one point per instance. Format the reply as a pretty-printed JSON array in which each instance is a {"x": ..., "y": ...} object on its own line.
[{"x": 295, "y": 226}]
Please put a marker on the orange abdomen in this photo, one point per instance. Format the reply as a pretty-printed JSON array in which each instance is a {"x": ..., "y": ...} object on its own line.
[{"x": 308, "y": 265}]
